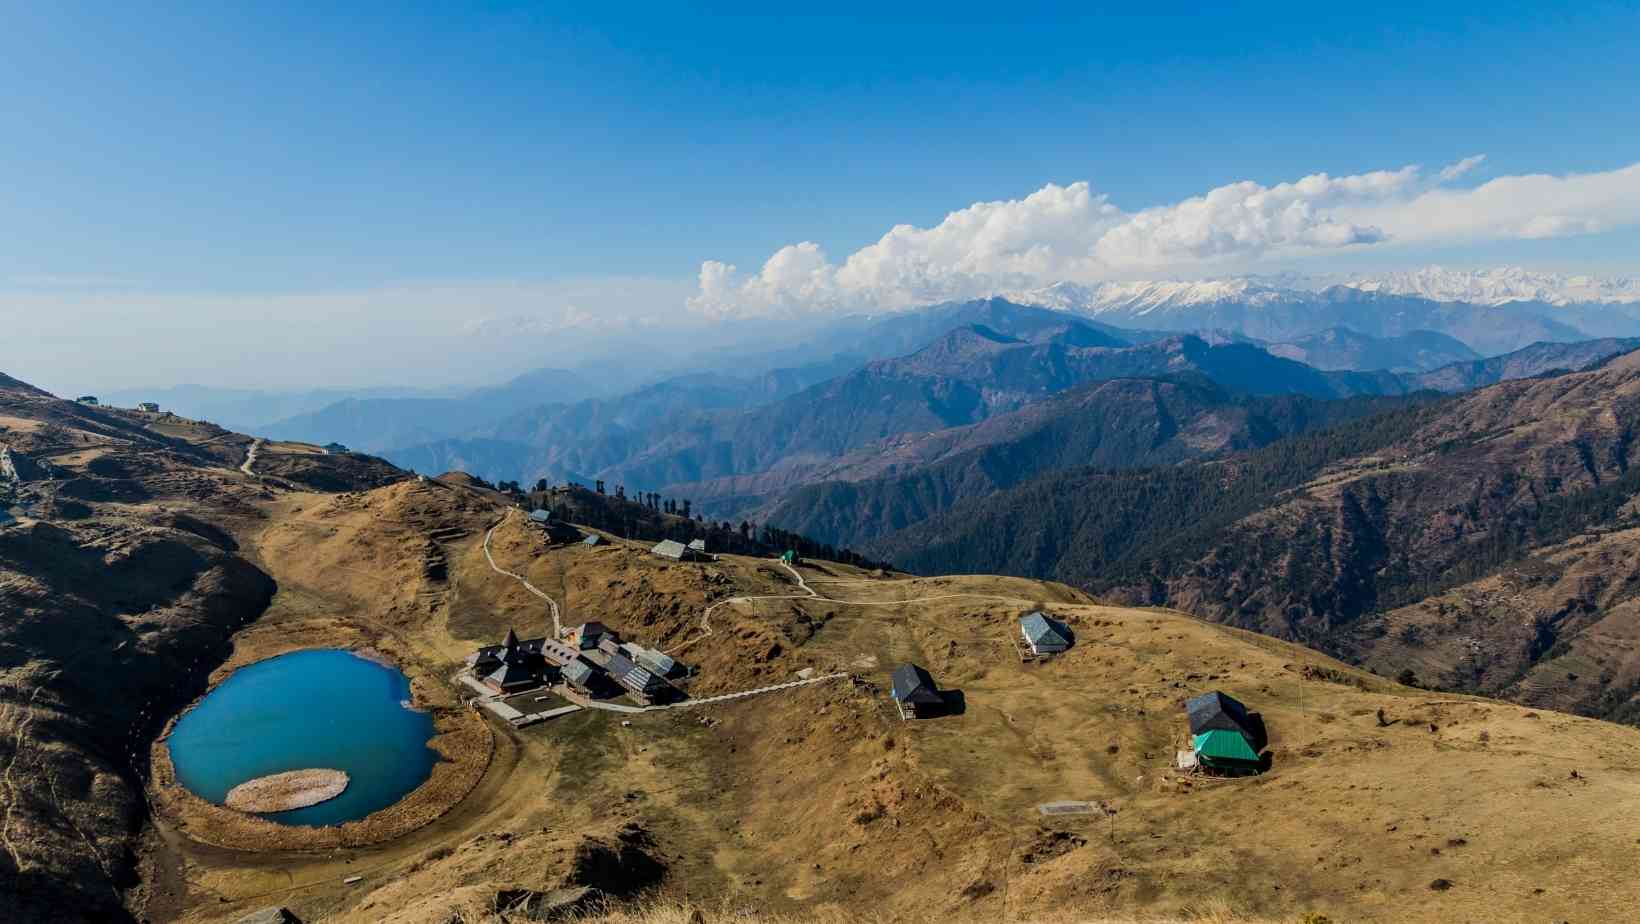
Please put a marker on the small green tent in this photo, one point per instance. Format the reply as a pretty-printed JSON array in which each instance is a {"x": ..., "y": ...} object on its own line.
[{"x": 1222, "y": 749}]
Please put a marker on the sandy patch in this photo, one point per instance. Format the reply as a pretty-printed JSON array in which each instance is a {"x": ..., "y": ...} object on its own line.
[{"x": 282, "y": 792}]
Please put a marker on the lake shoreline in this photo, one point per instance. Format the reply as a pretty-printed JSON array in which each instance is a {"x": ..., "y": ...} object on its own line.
[{"x": 461, "y": 738}]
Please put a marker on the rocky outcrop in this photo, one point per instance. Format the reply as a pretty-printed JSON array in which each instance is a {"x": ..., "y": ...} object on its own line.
[{"x": 620, "y": 866}]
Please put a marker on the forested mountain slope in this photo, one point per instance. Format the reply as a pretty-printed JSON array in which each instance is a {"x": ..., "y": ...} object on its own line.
[
  {"x": 1340, "y": 348},
  {"x": 1118, "y": 424}
]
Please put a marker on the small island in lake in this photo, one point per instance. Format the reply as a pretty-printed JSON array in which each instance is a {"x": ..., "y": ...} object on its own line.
[{"x": 282, "y": 792}]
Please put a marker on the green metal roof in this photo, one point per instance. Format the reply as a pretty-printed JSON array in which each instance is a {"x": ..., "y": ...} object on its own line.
[{"x": 1219, "y": 744}]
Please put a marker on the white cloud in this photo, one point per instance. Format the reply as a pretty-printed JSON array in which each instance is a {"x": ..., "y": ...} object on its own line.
[
  {"x": 1453, "y": 171},
  {"x": 1073, "y": 233}
]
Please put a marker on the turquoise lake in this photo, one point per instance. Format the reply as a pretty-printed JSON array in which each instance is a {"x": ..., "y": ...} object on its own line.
[{"x": 322, "y": 708}]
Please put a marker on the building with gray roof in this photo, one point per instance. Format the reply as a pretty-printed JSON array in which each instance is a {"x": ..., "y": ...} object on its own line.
[
  {"x": 915, "y": 693},
  {"x": 1043, "y": 634},
  {"x": 637, "y": 681},
  {"x": 578, "y": 674}
]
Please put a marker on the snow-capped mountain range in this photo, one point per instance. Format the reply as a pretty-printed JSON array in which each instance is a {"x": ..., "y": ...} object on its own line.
[
  {"x": 1502, "y": 285},
  {"x": 1494, "y": 311},
  {"x": 1498, "y": 286}
]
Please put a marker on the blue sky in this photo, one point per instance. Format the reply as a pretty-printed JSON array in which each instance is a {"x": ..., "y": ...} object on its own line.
[{"x": 239, "y": 151}]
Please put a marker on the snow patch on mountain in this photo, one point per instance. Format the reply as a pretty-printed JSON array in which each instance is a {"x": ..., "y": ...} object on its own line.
[{"x": 1142, "y": 298}]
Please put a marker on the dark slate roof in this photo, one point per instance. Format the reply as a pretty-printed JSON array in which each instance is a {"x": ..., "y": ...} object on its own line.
[
  {"x": 1216, "y": 710},
  {"x": 557, "y": 652},
  {"x": 913, "y": 685},
  {"x": 577, "y": 671},
  {"x": 630, "y": 675},
  {"x": 1045, "y": 631},
  {"x": 510, "y": 672}
]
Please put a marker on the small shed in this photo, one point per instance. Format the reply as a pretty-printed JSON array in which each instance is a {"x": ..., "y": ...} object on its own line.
[
  {"x": 1221, "y": 749},
  {"x": 698, "y": 546},
  {"x": 593, "y": 539},
  {"x": 1222, "y": 712},
  {"x": 87, "y": 399},
  {"x": 540, "y": 516},
  {"x": 671, "y": 548},
  {"x": 148, "y": 407},
  {"x": 915, "y": 693},
  {"x": 1043, "y": 634}
]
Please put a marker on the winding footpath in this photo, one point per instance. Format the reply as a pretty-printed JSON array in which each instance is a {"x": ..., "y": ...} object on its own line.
[
  {"x": 557, "y": 627},
  {"x": 250, "y": 456},
  {"x": 808, "y": 593}
]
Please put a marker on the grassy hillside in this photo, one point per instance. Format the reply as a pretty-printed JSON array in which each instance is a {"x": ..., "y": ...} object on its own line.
[
  {"x": 1383, "y": 802},
  {"x": 820, "y": 803}
]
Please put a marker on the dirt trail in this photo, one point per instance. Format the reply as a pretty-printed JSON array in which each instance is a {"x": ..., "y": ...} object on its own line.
[
  {"x": 250, "y": 457},
  {"x": 557, "y": 627}
]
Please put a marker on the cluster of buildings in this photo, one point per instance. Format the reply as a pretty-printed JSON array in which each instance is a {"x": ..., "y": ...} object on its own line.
[
  {"x": 591, "y": 659},
  {"x": 147, "y": 407}
]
